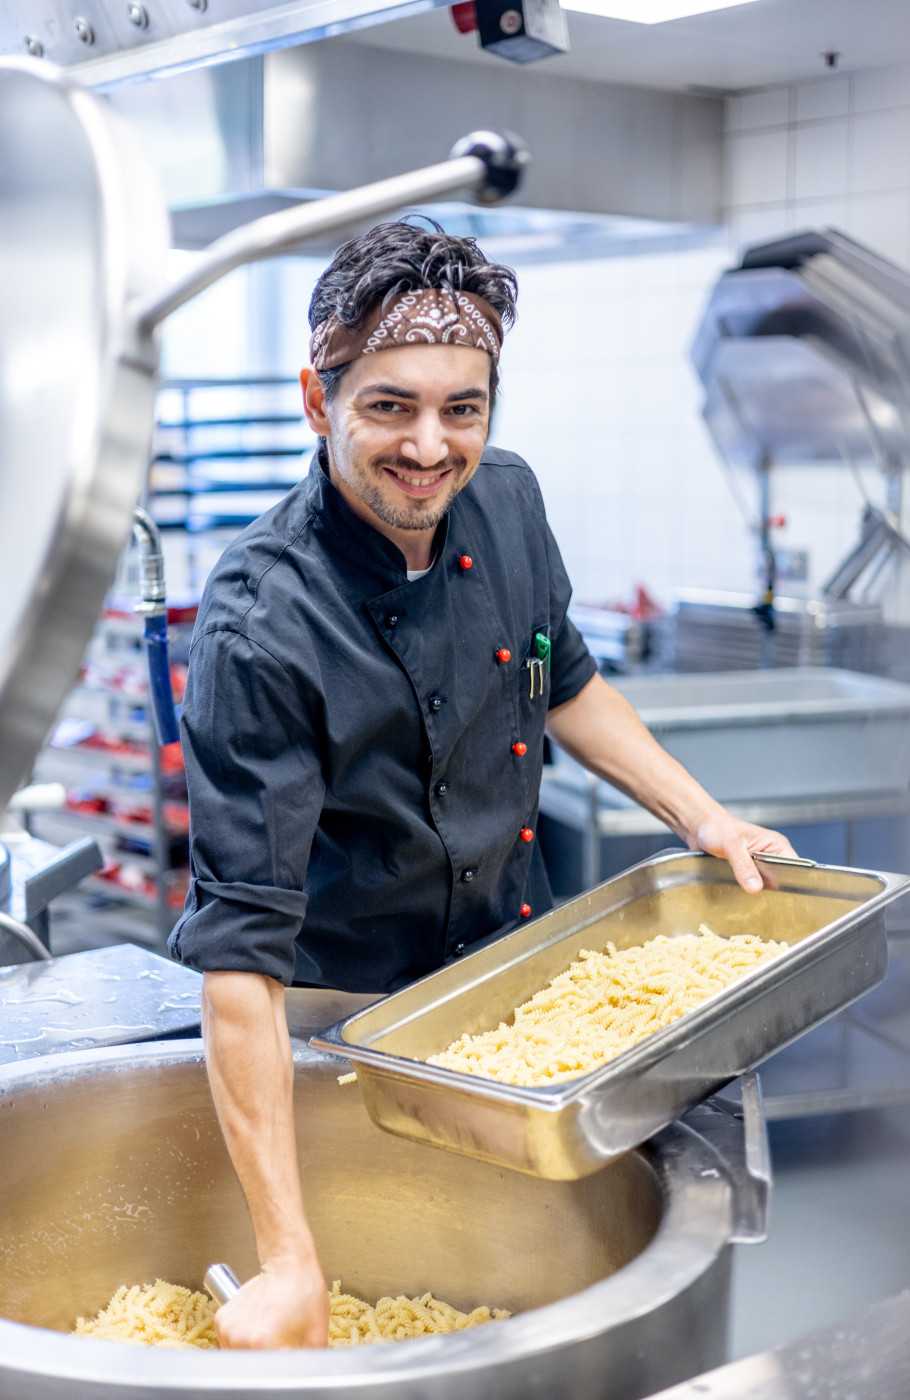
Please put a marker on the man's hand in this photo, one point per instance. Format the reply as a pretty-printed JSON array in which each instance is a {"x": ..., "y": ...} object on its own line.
[
  {"x": 286, "y": 1305},
  {"x": 600, "y": 729},
  {"x": 722, "y": 835}
]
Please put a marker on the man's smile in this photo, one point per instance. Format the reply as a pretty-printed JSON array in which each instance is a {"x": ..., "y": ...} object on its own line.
[{"x": 413, "y": 485}]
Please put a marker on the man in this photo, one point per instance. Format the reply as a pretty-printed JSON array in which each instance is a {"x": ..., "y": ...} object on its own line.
[{"x": 373, "y": 669}]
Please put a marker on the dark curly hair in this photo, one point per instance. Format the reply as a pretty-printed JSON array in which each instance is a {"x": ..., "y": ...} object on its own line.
[{"x": 403, "y": 257}]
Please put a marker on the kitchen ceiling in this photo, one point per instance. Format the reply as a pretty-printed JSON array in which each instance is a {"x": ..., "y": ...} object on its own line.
[{"x": 762, "y": 44}]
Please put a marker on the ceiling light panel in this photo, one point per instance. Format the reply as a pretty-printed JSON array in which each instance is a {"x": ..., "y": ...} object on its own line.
[{"x": 650, "y": 11}]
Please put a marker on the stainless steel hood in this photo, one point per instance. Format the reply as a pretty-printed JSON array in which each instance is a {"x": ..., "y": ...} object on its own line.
[
  {"x": 235, "y": 140},
  {"x": 804, "y": 352},
  {"x": 254, "y": 114},
  {"x": 105, "y": 44}
]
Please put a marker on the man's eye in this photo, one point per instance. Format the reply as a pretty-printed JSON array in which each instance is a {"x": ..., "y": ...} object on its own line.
[
  {"x": 464, "y": 410},
  {"x": 386, "y": 406}
]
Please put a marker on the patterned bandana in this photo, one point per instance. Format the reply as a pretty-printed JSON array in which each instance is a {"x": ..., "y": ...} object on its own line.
[{"x": 427, "y": 317}]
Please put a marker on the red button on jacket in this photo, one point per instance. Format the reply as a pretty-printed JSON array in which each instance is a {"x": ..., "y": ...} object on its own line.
[
  {"x": 519, "y": 749},
  {"x": 465, "y": 562},
  {"x": 525, "y": 911},
  {"x": 526, "y": 834},
  {"x": 503, "y": 655}
]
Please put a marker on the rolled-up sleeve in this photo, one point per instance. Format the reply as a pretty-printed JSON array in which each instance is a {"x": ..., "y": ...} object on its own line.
[
  {"x": 256, "y": 791},
  {"x": 571, "y": 664}
]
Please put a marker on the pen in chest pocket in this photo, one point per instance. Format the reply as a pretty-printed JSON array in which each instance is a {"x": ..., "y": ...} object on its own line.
[{"x": 537, "y": 662}]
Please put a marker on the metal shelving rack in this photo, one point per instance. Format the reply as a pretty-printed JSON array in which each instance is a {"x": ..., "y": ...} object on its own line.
[
  {"x": 105, "y": 753},
  {"x": 224, "y": 451}
]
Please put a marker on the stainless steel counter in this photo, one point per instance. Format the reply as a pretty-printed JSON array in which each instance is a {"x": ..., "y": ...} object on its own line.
[
  {"x": 584, "y": 811},
  {"x": 866, "y": 1357},
  {"x": 108, "y": 996}
]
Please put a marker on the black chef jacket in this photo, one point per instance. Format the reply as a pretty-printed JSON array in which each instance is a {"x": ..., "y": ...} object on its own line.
[{"x": 359, "y": 810}]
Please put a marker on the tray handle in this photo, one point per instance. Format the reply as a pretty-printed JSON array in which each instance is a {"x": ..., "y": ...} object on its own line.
[
  {"x": 784, "y": 860},
  {"x": 746, "y": 1156}
]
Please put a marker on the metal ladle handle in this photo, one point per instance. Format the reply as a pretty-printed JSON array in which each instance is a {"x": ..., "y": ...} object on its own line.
[
  {"x": 221, "y": 1282},
  {"x": 486, "y": 162}
]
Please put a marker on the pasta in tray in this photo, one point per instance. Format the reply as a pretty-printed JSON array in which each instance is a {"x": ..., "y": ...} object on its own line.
[
  {"x": 605, "y": 1003},
  {"x": 166, "y": 1315}
]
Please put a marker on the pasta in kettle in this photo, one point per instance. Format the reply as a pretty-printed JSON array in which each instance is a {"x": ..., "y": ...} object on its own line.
[{"x": 166, "y": 1315}]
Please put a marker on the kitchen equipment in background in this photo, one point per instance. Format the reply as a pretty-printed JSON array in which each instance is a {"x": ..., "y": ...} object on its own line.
[
  {"x": 106, "y": 996},
  {"x": 799, "y": 732},
  {"x": 615, "y": 639},
  {"x": 224, "y": 451},
  {"x": 113, "y": 1169},
  {"x": 804, "y": 353},
  {"x": 832, "y": 918},
  {"x": 33, "y": 873},
  {"x": 709, "y": 630},
  {"x": 524, "y": 31},
  {"x": 119, "y": 785},
  {"x": 863, "y": 1354},
  {"x": 82, "y": 293}
]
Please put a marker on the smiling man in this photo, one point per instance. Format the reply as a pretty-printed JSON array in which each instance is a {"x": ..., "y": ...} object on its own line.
[{"x": 373, "y": 670}]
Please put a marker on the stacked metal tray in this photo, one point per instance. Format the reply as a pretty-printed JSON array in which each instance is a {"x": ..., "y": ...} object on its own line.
[{"x": 832, "y": 918}]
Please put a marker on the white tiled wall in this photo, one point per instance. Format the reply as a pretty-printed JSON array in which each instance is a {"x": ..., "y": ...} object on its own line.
[
  {"x": 837, "y": 149},
  {"x": 602, "y": 401}
]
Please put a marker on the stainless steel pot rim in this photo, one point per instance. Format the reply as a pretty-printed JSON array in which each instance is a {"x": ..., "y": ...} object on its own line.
[{"x": 695, "y": 1228}]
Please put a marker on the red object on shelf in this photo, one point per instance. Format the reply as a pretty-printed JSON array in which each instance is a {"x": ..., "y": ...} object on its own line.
[
  {"x": 464, "y": 17},
  {"x": 172, "y": 758},
  {"x": 178, "y": 680},
  {"x": 643, "y": 607},
  {"x": 176, "y": 817},
  {"x": 122, "y": 610},
  {"x": 181, "y": 612},
  {"x": 176, "y": 884},
  {"x": 777, "y": 522},
  {"x": 106, "y": 743}
]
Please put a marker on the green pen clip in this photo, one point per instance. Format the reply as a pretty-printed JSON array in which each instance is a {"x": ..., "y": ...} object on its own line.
[{"x": 542, "y": 648}]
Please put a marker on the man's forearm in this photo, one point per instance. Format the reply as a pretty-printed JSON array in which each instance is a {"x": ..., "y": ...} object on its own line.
[
  {"x": 600, "y": 728},
  {"x": 251, "y": 1072}
]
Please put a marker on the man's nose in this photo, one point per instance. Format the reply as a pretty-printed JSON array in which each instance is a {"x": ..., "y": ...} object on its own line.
[{"x": 426, "y": 441}]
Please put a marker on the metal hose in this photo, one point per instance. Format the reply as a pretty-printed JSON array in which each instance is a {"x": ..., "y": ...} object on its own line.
[
  {"x": 25, "y": 936},
  {"x": 153, "y": 608}
]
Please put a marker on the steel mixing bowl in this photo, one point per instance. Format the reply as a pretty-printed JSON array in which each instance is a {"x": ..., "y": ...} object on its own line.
[{"x": 112, "y": 1170}]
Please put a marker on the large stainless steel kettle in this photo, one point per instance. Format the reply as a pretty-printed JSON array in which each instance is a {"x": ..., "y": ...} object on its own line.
[{"x": 83, "y": 239}]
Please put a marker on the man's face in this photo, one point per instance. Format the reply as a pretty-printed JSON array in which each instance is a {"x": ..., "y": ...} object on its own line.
[{"x": 405, "y": 431}]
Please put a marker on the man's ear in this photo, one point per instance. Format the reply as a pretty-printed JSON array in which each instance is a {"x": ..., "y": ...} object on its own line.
[{"x": 314, "y": 405}]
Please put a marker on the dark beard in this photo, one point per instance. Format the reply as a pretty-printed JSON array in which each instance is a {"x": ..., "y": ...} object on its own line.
[{"x": 420, "y": 515}]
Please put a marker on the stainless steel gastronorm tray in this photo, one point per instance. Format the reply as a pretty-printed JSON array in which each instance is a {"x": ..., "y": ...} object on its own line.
[{"x": 833, "y": 919}]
